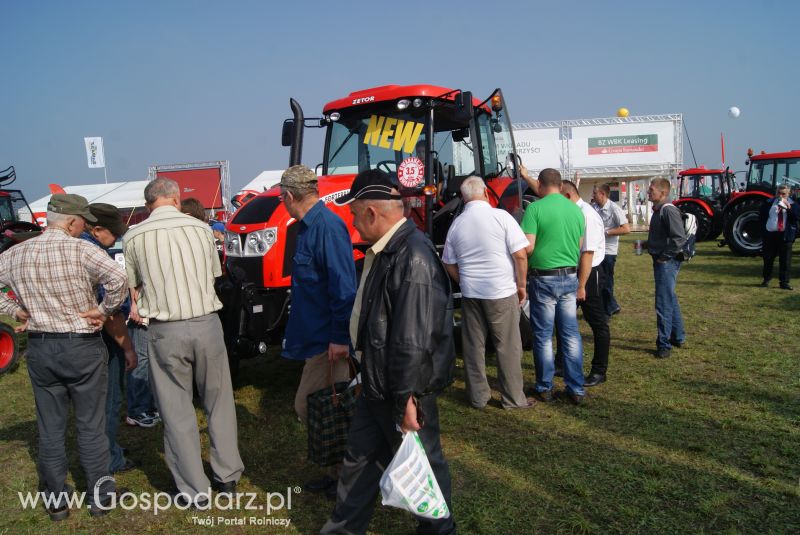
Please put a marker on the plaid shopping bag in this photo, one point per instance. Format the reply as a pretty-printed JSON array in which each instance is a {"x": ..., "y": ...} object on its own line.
[{"x": 329, "y": 414}]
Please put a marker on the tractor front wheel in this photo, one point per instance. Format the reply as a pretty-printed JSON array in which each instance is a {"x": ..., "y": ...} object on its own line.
[
  {"x": 743, "y": 232},
  {"x": 8, "y": 348}
]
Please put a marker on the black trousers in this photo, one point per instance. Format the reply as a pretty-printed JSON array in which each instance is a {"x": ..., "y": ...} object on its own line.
[
  {"x": 773, "y": 246},
  {"x": 371, "y": 444},
  {"x": 594, "y": 312}
]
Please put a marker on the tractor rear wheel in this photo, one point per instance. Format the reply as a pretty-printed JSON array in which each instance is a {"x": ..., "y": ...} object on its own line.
[
  {"x": 8, "y": 348},
  {"x": 716, "y": 230},
  {"x": 704, "y": 226},
  {"x": 743, "y": 232}
]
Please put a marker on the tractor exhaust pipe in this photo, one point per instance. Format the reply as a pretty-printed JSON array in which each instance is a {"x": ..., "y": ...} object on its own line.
[{"x": 296, "y": 152}]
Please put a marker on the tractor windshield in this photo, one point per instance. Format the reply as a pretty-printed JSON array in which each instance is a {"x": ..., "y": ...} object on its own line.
[
  {"x": 696, "y": 186},
  {"x": 767, "y": 175},
  {"x": 14, "y": 208},
  {"x": 375, "y": 139}
]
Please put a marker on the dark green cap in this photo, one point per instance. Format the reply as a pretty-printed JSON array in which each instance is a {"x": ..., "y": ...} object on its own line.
[
  {"x": 108, "y": 217},
  {"x": 71, "y": 204}
]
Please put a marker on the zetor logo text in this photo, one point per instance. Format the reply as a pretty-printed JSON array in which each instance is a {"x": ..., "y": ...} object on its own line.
[{"x": 363, "y": 100}]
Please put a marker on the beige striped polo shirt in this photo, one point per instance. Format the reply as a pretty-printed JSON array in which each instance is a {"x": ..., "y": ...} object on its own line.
[{"x": 173, "y": 258}]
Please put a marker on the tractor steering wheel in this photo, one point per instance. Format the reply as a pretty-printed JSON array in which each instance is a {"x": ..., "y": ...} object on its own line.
[
  {"x": 386, "y": 163},
  {"x": 19, "y": 226}
]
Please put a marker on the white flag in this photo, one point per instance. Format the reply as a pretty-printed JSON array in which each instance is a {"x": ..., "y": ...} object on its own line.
[{"x": 94, "y": 152}]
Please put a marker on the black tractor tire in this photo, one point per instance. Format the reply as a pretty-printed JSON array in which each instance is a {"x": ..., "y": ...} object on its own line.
[
  {"x": 743, "y": 232},
  {"x": 9, "y": 352},
  {"x": 525, "y": 331},
  {"x": 704, "y": 224},
  {"x": 716, "y": 230}
]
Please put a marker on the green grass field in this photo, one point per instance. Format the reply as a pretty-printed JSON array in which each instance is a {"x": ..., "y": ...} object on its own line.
[{"x": 707, "y": 441}]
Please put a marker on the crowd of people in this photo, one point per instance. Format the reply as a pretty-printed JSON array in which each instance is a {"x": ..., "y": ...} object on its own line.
[{"x": 396, "y": 321}]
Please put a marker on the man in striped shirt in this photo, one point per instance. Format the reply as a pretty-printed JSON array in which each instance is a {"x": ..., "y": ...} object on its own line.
[
  {"x": 54, "y": 277},
  {"x": 171, "y": 261}
]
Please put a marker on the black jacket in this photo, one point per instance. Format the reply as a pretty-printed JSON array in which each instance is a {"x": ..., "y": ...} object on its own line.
[
  {"x": 405, "y": 330},
  {"x": 793, "y": 215},
  {"x": 667, "y": 235}
]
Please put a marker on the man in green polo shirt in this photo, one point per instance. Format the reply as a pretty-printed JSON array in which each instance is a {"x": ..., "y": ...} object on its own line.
[{"x": 554, "y": 227}]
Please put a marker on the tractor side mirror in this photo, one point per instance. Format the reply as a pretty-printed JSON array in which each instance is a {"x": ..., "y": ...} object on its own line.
[
  {"x": 287, "y": 132},
  {"x": 464, "y": 106},
  {"x": 460, "y": 135}
]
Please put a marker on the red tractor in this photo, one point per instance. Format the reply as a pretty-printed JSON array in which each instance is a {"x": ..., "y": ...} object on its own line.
[
  {"x": 429, "y": 138},
  {"x": 704, "y": 193},
  {"x": 17, "y": 224},
  {"x": 742, "y": 228}
]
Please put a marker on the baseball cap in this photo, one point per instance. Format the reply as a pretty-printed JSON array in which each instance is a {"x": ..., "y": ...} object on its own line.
[
  {"x": 219, "y": 227},
  {"x": 109, "y": 217},
  {"x": 373, "y": 184},
  {"x": 298, "y": 175},
  {"x": 71, "y": 204}
]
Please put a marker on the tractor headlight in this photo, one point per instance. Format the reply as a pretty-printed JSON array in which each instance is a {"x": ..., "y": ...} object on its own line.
[
  {"x": 232, "y": 246},
  {"x": 260, "y": 241}
]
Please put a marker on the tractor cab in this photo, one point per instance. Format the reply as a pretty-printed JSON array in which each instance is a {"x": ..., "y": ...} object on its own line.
[
  {"x": 17, "y": 223},
  {"x": 768, "y": 171},
  {"x": 711, "y": 185},
  {"x": 428, "y": 139}
]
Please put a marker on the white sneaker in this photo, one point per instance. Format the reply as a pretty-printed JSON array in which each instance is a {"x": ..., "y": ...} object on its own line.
[{"x": 142, "y": 420}]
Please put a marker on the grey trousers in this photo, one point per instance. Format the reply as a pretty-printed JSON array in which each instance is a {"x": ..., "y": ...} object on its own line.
[
  {"x": 182, "y": 352},
  {"x": 500, "y": 319},
  {"x": 64, "y": 370}
]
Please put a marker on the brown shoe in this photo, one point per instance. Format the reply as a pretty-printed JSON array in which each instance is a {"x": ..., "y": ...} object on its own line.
[
  {"x": 573, "y": 398},
  {"x": 529, "y": 403},
  {"x": 544, "y": 397}
]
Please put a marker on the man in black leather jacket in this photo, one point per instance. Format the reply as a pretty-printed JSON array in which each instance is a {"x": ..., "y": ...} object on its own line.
[{"x": 402, "y": 324}]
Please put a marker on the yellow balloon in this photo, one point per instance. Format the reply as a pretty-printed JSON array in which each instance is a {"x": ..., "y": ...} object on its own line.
[{"x": 622, "y": 112}]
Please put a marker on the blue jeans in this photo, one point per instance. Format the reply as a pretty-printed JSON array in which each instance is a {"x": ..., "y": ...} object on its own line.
[
  {"x": 116, "y": 373},
  {"x": 610, "y": 302},
  {"x": 553, "y": 304},
  {"x": 668, "y": 311},
  {"x": 140, "y": 397}
]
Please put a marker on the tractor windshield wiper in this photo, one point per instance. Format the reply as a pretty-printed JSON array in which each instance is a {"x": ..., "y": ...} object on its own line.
[{"x": 339, "y": 149}]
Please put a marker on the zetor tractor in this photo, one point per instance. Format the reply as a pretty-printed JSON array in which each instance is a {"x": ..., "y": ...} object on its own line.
[
  {"x": 704, "y": 193},
  {"x": 428, "y": 138},
  {"x": 16, "y": 225},
  {"x": 743, "y": 232}
]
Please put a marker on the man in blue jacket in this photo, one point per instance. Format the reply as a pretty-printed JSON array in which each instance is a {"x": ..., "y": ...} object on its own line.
[{"x": 323, "y": 290}]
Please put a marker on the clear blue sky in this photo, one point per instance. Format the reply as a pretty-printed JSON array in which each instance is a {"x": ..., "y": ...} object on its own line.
[{"x": 171, "y": 82}]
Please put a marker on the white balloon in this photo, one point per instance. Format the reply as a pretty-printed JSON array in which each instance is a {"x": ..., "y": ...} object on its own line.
[{"x": 733, "y": 112}]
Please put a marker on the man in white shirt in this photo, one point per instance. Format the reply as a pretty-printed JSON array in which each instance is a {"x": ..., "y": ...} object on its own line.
[
  {"x": 485, "y": 253},
  {"x": 616, "y": 224},
  {"x": 779, "y": 220},
  {"x": 591, "y": 283}
]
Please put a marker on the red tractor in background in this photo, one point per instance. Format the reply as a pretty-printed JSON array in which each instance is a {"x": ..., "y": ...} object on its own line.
[
  {"x": 742, "y": 228},
  {"x": 17, "y": 224},
  {"x": 428, "y": 138},
  {"x": 704, "y": 193}
]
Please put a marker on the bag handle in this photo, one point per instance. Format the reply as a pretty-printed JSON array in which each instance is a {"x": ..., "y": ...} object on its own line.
[{"x": 353, "y": 374}]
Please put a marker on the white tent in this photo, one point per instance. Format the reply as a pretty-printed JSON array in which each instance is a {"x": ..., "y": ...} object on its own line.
[
  {"x": 120, "y": 194},
  {"x": 264, "y": 181}
]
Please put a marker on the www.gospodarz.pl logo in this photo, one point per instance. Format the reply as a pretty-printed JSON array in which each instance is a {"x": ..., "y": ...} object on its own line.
[{"x": 156, "y": 502}]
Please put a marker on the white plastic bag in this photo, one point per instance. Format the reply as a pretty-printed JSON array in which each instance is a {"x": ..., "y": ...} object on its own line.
[{"x": 408, "y": 482}]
